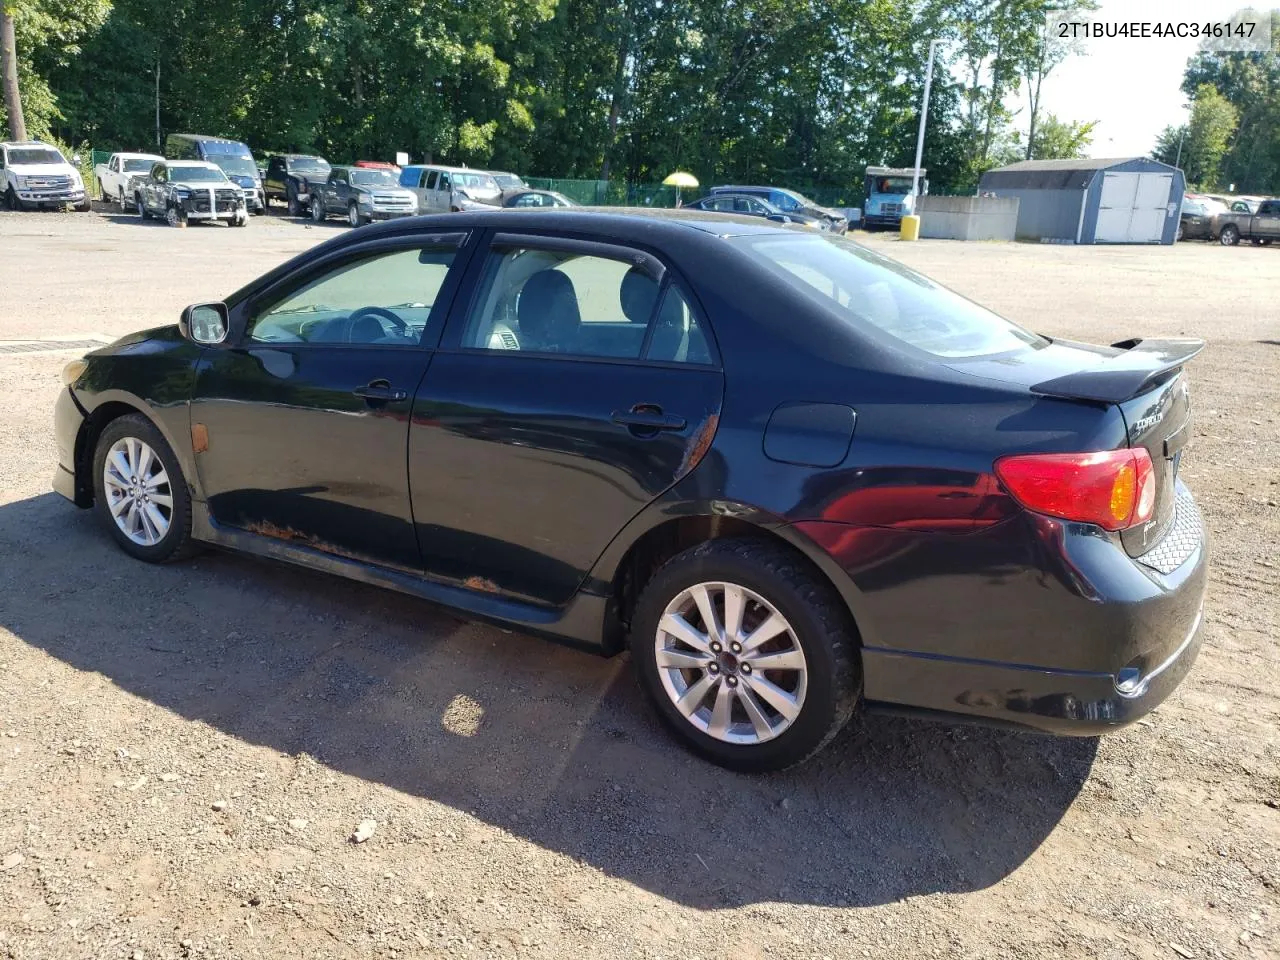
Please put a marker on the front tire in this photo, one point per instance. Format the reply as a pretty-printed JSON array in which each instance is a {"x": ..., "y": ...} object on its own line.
[
  {"x": 1229, "y": 236},
  {"x": 141, "y": 207},
  {"x": 12, "y": 201},
  {"x": 747, "y": 654},
  {"x": 317, "y": 210},
  {"x": 175, "y": 217},
  {"x": 353, "y": 216},
  {"x": 140, "y": 493}
]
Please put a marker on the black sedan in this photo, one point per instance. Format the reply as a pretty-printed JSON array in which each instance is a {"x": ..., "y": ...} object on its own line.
[
  {"x": 793, "y": 477},
  {"x": 744, "y": 204}
]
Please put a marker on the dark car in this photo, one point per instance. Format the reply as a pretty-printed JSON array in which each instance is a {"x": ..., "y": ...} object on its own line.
[
  {"x": 1196, "y": 220},
  {"x": 292, "y": 178},
  {"x": 536, "y": 198},
  {"x": 234, "y": 158},
  {"x": 788, "y": 201},
  {"x": 362, "y": 194},
  {"x": 748, "y": 205},
  {"x": 794, "y": 477}
]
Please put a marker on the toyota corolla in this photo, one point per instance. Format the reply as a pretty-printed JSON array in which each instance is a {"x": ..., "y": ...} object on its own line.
[{"x": 793, "y": 478}]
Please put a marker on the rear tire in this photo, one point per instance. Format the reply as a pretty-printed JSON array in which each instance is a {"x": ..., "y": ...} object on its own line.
[
  {"x": 822, "y": 678},
  {"x": 1229, "y": 236},
  {"x": 118, "y": 439}
]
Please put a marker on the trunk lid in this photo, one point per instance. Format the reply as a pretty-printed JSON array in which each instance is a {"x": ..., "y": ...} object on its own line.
[{"x": 1160, "y": 421}]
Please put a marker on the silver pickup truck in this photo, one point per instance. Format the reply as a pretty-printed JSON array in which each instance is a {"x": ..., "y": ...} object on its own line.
[{"x": 1261, "y": 227}]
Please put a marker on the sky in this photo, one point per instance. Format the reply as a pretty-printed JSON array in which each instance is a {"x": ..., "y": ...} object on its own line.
[{"x": 1132, "y": 87}]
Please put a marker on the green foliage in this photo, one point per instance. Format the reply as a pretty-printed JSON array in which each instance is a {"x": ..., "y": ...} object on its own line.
[
  {"x": 1250, "y": 84},
  {"x": 1203, "y": 143},
  {"x": 1058, "y": 140},
  {"x": 801, "y": 92}
]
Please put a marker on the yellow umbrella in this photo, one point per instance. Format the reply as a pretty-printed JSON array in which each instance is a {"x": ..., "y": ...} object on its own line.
[{"x": 680, "y": 180}]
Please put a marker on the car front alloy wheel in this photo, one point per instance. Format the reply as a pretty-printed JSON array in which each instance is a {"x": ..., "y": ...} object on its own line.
[{"x": 140, "y": 492}]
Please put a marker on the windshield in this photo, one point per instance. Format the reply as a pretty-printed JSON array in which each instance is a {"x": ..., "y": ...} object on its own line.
[
  {"x": 508, "y": 181},
  {"x": 233, "y": 165},
  {"x": 35, "y": 155},
  {"x": 138, "y": 166},
  {"x": 194, "y": 174},
  {"x": 892, "y": 185},
  {"x": 871, "y": 290},
  {"x": 374, "y": 178},
  {"x": 475, "y": 181},
  {"x": 308, "y": 165}
]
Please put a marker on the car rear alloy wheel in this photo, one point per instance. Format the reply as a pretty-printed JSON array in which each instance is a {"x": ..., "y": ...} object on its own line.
[
  {"x": 747, "y": 653},
  {"x": 730, "y": 663},
  {"x": 1229, "y": 236},
  {"x": 140, "y": 492}
]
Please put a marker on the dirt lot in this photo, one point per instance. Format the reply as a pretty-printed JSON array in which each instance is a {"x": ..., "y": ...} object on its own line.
[{"x": 186, "y": 750}]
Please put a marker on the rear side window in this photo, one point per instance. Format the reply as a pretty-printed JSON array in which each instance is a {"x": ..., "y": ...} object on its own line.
[{"x": 873, "y": 291}]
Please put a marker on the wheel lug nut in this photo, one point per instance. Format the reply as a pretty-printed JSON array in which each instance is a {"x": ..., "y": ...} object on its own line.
[
  {"x": 714, "y": 668},
  {"x": 732, "y": 681},
  {"x": 716, "y": 648},
  {"x": 746, "y": 668},
  {"x": 736, "y": 647}
]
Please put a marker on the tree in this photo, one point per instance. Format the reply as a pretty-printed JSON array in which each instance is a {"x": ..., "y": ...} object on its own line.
[
  {"x": 1204, "y": 140},
  {"x": 1059, "y": 140},
  {"x": 1047, "y": 51},
  {"x": 9, "y": 63}
]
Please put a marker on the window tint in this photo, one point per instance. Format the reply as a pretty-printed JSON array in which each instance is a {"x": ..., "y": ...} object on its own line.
[
  {"x": 430, "y": 183},
  {"x": 444, "y": 183},
  {"x": 385, "y": 300},
  {"x": 543, "y": 301},
  {"x": 873, "y": 291},
  {"x": 1270, "y": 208}
]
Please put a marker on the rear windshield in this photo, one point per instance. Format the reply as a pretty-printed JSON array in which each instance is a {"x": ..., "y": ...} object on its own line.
[{"x": 871, "y": 290}]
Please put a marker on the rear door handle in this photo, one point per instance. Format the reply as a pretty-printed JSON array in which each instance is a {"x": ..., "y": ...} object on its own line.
[
  {"x": 380, "y": 390},
  {"x": 647, "y": 418}
]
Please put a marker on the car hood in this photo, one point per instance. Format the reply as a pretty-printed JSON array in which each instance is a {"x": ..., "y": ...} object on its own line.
[
  {"x": 385, "y": 191},
  {"x": 824, "y": 213},
  {"x": 42, "y": 169},
  {"x": 201, "y": 184}
]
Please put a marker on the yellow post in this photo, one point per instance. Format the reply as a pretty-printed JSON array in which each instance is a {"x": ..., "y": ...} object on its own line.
[{"x": 910, "y": 229}]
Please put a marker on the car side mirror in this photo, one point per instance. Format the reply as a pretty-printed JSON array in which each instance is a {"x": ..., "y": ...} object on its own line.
[{"x": 205, "y": 323}]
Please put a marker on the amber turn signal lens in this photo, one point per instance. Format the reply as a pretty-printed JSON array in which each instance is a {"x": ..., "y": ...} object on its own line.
[{"x": 71, "y": 372}]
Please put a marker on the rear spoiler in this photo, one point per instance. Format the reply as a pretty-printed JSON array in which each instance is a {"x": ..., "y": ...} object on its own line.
[{"x": 1119, "y": 378}]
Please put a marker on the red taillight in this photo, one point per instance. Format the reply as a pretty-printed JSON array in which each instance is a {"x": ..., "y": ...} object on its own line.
[{"x": 1115, "y": 489}]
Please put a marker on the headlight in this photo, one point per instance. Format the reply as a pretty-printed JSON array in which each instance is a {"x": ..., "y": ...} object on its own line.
[
  {"x": 71, "y": 372},
  {"x": 364, "y": 199},
  {"x": 76, "y": 178}
]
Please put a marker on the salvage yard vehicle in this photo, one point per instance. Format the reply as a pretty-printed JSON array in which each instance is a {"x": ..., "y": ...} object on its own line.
[
  {"x": 232, "y": 157},
  {"x": 788, "y": 201},
  {"x": 180, "y": 191},
  {"x": 35, "y": 175},
  {"x": 523, "y": 199},
  {"x": 115, "y": 175},
  {"x": 797, "y": 478},
  {"x": 445, "y": 189},
  {"x": 363, "y": 194},
  {"x": 1195, "y": 222},
  {"x": 1262, "y": 227},
  {"x": 748, "y": 205},
  {"x": 292, "y": 178}
]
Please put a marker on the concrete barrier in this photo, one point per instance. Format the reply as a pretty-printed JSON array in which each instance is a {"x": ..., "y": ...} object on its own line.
[{"x": 968, "y": 218}]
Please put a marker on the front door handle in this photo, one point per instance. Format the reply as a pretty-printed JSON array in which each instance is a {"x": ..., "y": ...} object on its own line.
[
  {"x": 380, "y": 390},
  {"x": 647, "y": 418}
]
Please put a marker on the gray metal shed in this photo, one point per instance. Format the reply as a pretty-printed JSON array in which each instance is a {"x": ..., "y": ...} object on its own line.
[{"x": 1120, "y": 200}]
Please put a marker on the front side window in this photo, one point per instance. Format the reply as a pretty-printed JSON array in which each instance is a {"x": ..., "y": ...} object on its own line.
[
  {"x": 385, "y": 299},
  {"x": 556, "y": 302},
  {"x": 445, "y": 183},
  {"x": 873, "y": 291},
  {"x": 430, "y": 182}
]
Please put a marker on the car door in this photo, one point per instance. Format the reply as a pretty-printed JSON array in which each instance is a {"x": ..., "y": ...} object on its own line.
[
  {"x": 273, "y": 183},
  {"x": 536, "y": 438},
  {"x": 154, "y": 185},
  {"x": 300, "y": 428},
  {"x": 1267, "y": 221},
  {"x": 443, "y": 194}
]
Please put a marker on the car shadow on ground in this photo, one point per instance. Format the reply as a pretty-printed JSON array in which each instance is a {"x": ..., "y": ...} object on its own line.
[{"x": 550, "y": 744}]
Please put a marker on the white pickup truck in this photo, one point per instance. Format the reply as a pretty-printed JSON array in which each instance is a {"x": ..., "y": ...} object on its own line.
[
  {"x": 114, "y": 175},
  {"x": 35, "y": 175}
]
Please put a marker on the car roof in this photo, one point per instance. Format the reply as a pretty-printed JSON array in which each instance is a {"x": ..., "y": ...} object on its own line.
[
  {"x": 127, "y": 155},
  {"x": 193, "y": 163},
  {"x": 301, "y": 156},
  {"x": 204, "y": 138},
  {"x": 25, "y": 143}
]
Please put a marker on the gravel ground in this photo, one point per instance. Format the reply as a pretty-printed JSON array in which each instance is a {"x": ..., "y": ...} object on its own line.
[{"x": 187, "y": 751}]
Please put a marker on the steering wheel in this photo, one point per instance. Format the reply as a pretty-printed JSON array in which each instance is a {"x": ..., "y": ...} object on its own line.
[{"x": 401, "y": 328}]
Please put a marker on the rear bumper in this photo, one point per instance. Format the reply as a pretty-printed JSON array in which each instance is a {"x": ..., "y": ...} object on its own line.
[{"x": 1033, "y": 621}]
